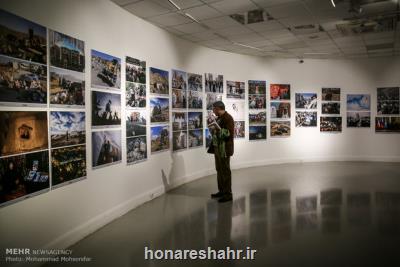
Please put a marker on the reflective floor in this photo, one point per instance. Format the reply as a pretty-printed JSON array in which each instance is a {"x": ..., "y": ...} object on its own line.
[{"x": 314, "y": 214}]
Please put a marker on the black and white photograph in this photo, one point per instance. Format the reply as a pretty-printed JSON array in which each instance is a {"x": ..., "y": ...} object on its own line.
[
  {"x": 331, "y": 108},
  {"x": 239, "y": 130},
  {"x": 195, "y": 99},
  {"x": 67, "y": 88},
  {"x": 195, "y": 120},
  {"x": 106, "y": 71},
  {"x": 214, "y": 83},
  {"x": 235, "y": 90},
  {"x": 280, "y": 128},
  {"x": 135, "y": 123},
  {"x": 195, "y": 82},
  {"x": 159, "y": 138},
  {"x": 67, "y": 128},
  {"x": 159, "y": 110},
  {"x": 135, "y": 70},
  {"x": 257, "y": 132},
  {"x": 331, "y": 124},
  {"x": 257, "y": 102},
  {"x": 330, "y": 94},
  {"x": 195, "y": 138},
  {"x": 135, "y": 95},
  {"x": 306, "y": 101},
  {"x": 179, "y": 140},
  {"x": 159, "y": 82},
  {"x": 280, "y": 110},
  {"x": 257, "y": 117},
  {"x": 306, "y": 119},
  {"x": 106, "y": 148},
  {"x": 257, "y": 87},
  {"x": 359, "y": 119},
  {"x": 136, "y": 149},
  {"x": 106, "y": 109},
  {"x": 179, "y": 121}
]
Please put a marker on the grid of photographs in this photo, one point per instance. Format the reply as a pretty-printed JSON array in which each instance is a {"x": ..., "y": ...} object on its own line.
[
  {"x": 105, "y": 71},
  {"x": 359, "y": 110},
  {"x": 257, "y": 109},
  {"x": 388, "y": 119},
  {"x": 136, "y": 114},
  {"x": 180, "y": 112},
  {"x": 195, "y": 113},
  {"x": 24, "y": 155},
  {"x": 280, "y": 110},
  {"x": 236, "y": 108},
  {"x": 306, "y": 109},
  {"x": 331, "y": 121},
  {"x": 195, "y": 91}
]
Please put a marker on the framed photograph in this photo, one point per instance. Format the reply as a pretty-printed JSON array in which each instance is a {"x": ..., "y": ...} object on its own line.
[
  {"x": 66, "y": 52},
  {"x": 331, "y": 124},
  {"x": 105, "y": 71},
  {"x": 135, "y": 95},
  {"x": 195, "y": 82},
  {"x": 67, "y": 88},
  {"x": 159, "y": 110},
  {"x": 106, "y": 148},
  {"x": 387, "y": 124},
  {"x": 280, "y": 91},
  {"x": 135, "y": 123},
  {"x": 106, "y": 109},
  {"x": 306, "y": 119},
  {"x": 235, "y": 90},
  {"x": 22, "y": 83},
  {"x": 280, "y": 110},
  {"x": 257, "y": 87},
  {"x": 331, "y": 108},
  {"x": 135, "y": 70},
  {"x": 195, "y": 138},
  {"x": 214, "y": 83},
  {"x": 330, "y": 94},
  {"x": 159, "y": 83},
  {"x": 280, "y": 128},
  {"x": 257, "y": 117},
  {"x": 67, "y": 128},
  {"x": 179, "y": 140},
  {"x": 179, "y": 121},
  {"x": 23, "y": 131},
  {"x": 306, "y": 101},
  {"x": 136, "y": 149},
  {"x": 159, "y": 138},
  {"x": 257, "y": 132}
]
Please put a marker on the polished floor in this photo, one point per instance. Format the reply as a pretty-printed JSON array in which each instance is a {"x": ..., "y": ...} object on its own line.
[{"x": 313, "y": 214}]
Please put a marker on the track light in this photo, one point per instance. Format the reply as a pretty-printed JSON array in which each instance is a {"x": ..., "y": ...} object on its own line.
[
  {"x": 175, "y": 5},
  {"x": 333, "y": 3}
]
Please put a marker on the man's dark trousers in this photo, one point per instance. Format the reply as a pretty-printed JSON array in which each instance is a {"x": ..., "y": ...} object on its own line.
[{"x": 224, "y": 176}]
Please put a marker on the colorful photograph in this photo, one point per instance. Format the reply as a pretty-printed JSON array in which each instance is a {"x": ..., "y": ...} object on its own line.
[
  {"x": 23, "y": 175},
  {"x": 23, "y": 131},
  {"x": 330, "y": 94},
  {"x": 136, "y": 149},
  {"x": 135, "y": 95},
  {"x": 135, "y": 123},
  {"x": 179, "y": 98},
  {"x": 67, "y": 128},
  {"x": 257, "y": 102},
  {"x": 106, "y": 148},
  {"x": 211, "y": 99},
  {"x": 195, "y": 120},
  {"x": 159, "y": 83},
  {"x": 387, "y": 124},
  {"x": 239, "y": 129},
  {"x": 68, "y": 164},
  {"x": 359, "y": 119},
  {"x": 67, "y": 88},
  {"x": 135, "y": 70},
  {"x": 195, "y": 99},
  {"x": 179, "y": 80},
  {"x": 331, "y": 124},
  {"x": 306, "y": 100},
  {"x": 195, "y": 82},
  {"x": 106, "y": 71},
  {"x": 235, "y": 90},
  {"x": 280, "y": 91},
  {"x": 159, "y": 108},
  {"x": 280, "y": 110},
  {"x": 257, "y": 117},
  {"x": 179, "y": 140},
  {"x": 306, "y": 119},
  {"x": 21, "y": 38},
  {"x": 208, "y": 138},
  {"x": 358, "y": 102},
  {"x": 257, "y": 132},
  {"x": 179, "y": 121},
  {"x": 331, "y": 108},
  {"x": 214, "y": 83},
  {"x": 257, "y": 87},
  {"x": 106, "y": 109},
  {"x": 280, "y": 128},
  {"x": 22, "y": 82},
  {"x": 195, "y": 138},
  {"x": 159, "y": 138},
  {"x": 66, "y": 52}
]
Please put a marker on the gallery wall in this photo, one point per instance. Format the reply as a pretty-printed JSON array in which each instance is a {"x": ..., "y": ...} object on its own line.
[{"x": 62, "y": 216}]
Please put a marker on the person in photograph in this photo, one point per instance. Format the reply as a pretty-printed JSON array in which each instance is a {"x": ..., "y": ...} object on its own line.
[{"x": 222, "y": 146}]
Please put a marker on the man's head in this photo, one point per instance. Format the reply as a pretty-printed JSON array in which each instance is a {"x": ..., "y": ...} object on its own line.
[{"x": 219, "y": 108}]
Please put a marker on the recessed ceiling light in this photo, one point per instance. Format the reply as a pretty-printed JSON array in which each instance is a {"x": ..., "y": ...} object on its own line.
[{"x": 175, "y": 5}]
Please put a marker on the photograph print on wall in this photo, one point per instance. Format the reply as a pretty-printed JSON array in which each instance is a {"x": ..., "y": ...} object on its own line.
[
  {"x": 159, "y": 83},
  {"x": 106, "y": 109},
  {"x": 105, "y": 71},
  {"x": 106, "y": 148},
  {"x": 67, "y": 88}
]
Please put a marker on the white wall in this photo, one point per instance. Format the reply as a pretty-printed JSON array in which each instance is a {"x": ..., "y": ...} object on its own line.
[{"x": 63, "y": 216}]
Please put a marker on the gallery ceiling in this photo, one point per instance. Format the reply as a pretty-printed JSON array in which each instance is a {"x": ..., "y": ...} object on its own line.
[{"x": 280, "y": 28}]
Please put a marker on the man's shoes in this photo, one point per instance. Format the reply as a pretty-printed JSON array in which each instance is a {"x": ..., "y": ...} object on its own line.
[
  {"x": 225, "y": 198},
  {"x": 217, "y": 195}
]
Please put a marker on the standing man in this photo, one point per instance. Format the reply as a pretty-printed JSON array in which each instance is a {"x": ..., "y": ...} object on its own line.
[{"x": 222, "y": 148}]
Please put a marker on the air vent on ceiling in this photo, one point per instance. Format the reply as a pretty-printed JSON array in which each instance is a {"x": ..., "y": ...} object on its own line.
[
  {"x": 252, "y": 16},
  {"x": 306, "y": 29},
  {"x": 368, "y": 25}
]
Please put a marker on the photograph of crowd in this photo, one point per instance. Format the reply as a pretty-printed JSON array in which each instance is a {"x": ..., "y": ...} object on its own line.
[
  {"x": 23, "y": 131},
  {"x": 306, "y": 119},
  {"x": 257, "y": 87},
  {"x": 208, "y": 138},
  {"x": 179, "y": 98},
  {"x": 67, "y": 164},
  {"x": 306, "y": 100},
  {"x": 214, "y": 83},
  {"x": 236, "y": 109},
  {"x": 106, "y": 109},
  {"x": 22, "y": 82},
  {"x": 331, "y": 108},
  {"x": 211, "y": 98},
  {"x": 135, "y": 70},
  {"x": 179, "y": 140},
  {"x": 21, "y": 38},
  {"x": 159, "y": 138},
  {"x": 387, "y": 124},
  {"x": 135, "y": 123},
  {"x": 280, "y": 128},
  {"x": 23, "y": 175},
  {"x": 195, "y": 82},
  {"x": 257, "y": 117},
  {"x": 280, "y": 91},
  {"x": 106, "y": 148},
  {"x": 239, "y": 130},
  {"x": 257, "y": 132},
  {"x": 257, "y": 102},
  {"x": 179, "y": 121},
  {"x": 136, "y": 149},
  {"x": 358, "y": 102},
  {"x": 195, "y": 138},
  {"x": 280, "y": 110},
  {"x": 235, "y": 90},
  {"x": 195, "y": 99},
  {"x": 388, "y": 101},
  {"x": 159, "y": 81},
  {"x": 388, "y": 107},
  {"x": 135, "y": 95},
  {"x": 359, "y": 119},
  {"x": 388, "y": 94},
  {"x": 330, "y": 94},
  {"x": 195, "y": 120},
  {"x": 106, "y": 71},
  {"x": 159, "y": 109},
  {"x": 67, "y": 128},
  {"x": 331, "y": 124},
  {"x": 66, "y": 52},
  {"x": 67, "y": 88}
]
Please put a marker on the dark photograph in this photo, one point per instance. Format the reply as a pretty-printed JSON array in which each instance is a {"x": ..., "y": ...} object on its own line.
[
  {"x": 331, "y": 108},
  {"x": 68, "y": 164},
  {"x": 135, "y": 70},
  {"x": 330, "y": 94},
  {"x": 387, "y": 124},
  {"x": 257, "y": 132},
  {"x": 359, "y": 119},
  {"x": 159, "y": 110},
  {"x": 388, "y": 107},
  {"x": 195, "y": 99},
  {"x": 135, "y": 123},
  {"x": 67, "y": 88},
  {"x": 105, "y": 71},
  {"x": 136, "y": 149},
  {"x": 235, "y": 90},
  {"x": 388, "y": 94},
  {"x": 106, "y": 109},
  {"x": 306, "y": 204},
  {"x": 211, "y": 98},
  {"x": 195, "y": 138},
  {"x": 331, "y": 124},
  {"x": 257, "y": 87},
  {"x": 67, "y": 128},
  {"x": 106, "y": 148},
  {"x": 195, "y": 82},
  {"x": 257, "y": 102}
]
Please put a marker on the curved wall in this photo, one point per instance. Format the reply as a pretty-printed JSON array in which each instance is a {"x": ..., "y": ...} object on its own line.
[{"x": 65, "y": 215}]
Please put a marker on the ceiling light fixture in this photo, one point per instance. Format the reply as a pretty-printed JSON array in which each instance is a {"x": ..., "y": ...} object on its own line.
[
  {"x": 247, "y": 46},
  {"x": 333, "y": 3},
  {"x": 192, "y": 18},
  {"x": 316, "y": 53},
  {"x": 175, "y": 5}
]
